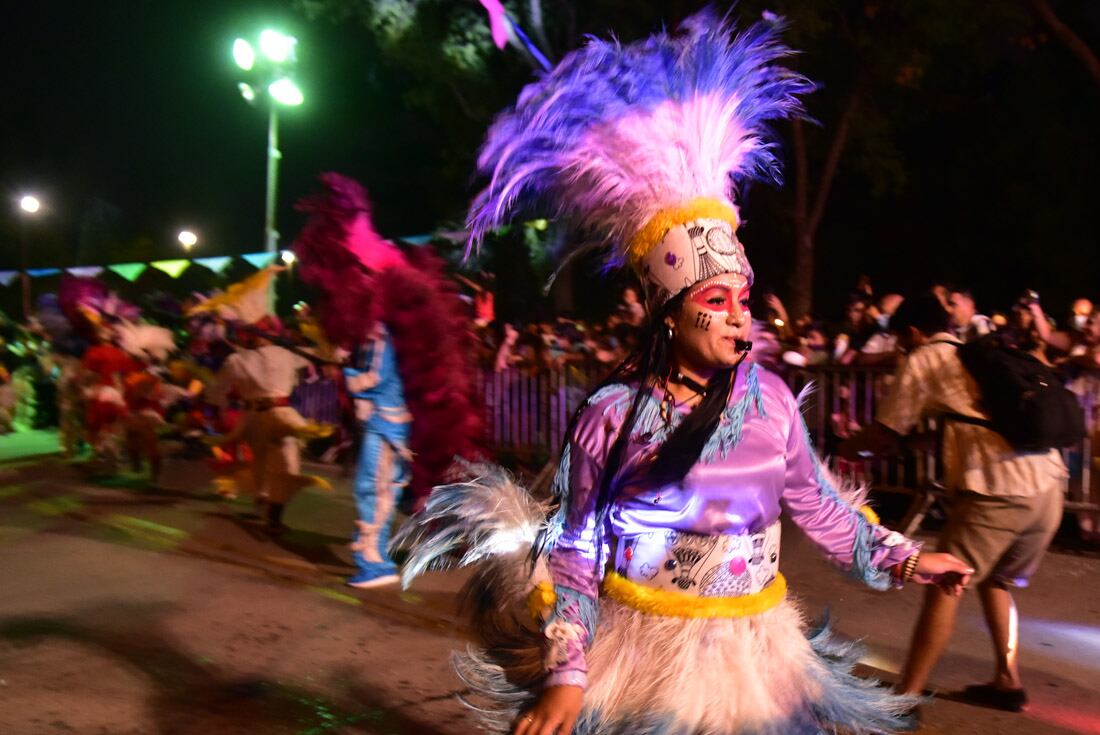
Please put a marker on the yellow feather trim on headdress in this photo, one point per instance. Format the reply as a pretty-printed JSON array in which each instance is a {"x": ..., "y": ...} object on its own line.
[
  {"x": 677, "y": 605},
  {"x": 659, "y": 224}
]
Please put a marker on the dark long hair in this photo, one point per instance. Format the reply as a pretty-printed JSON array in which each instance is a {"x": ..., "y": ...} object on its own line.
[{"x": 650, "y": 362}]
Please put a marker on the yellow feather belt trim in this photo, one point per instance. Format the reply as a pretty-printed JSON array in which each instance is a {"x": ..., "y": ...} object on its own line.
[
  {"x": 659, "y": 224},
  {"x": 676, "y": 605}
]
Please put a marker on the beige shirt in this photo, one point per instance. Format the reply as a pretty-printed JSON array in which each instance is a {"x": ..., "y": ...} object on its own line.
[
  {"x": 932, "y": 381},
  {"x": 266, "y": 372}
]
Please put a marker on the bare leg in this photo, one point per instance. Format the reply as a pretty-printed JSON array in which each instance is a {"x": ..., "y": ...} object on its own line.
[
  {"x": 930, "y": 637},
  {"x": 1000, "y": 616}
]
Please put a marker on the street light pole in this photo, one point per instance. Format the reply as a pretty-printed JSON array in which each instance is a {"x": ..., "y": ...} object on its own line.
[
  {"x": 24, "y": 277},
  {"x": 29, "y": 206},
  {"x": 271, "y": 72},
  {"x": 271, "y": 235}
]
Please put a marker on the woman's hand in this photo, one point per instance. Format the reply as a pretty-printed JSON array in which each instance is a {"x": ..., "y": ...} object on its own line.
[
  {"x": 943, "y": 570},
  {"x": 554, "y": 713}
]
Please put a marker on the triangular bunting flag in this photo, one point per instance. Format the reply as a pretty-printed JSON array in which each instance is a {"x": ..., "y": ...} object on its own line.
[
  {"x": 86, "y": 271},
  {"x": 129, "y": 271},
  {"x": 42, "y": 272},
  {"x": 260, "y": 260},
  {"x": 6, "y": 277},
  {"x": 171, "y": 267},
  {"x": 217, "y": 264}
]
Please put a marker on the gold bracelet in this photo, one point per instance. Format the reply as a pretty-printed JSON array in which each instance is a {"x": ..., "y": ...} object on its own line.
[{"x": 910, "y": 567}]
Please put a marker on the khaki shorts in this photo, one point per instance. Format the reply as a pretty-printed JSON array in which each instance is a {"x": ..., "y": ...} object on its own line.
[{"x": 1002, "y": 537}]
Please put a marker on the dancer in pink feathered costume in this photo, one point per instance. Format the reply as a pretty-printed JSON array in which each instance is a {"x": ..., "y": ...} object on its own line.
[{"x": 410, "y": 373}]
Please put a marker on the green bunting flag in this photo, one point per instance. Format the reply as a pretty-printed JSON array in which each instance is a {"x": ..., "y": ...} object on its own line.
[
  {"x": 260, "y": 260},
  {"x": 130, "y": 271},
  {"x": 172, "y": 267}
]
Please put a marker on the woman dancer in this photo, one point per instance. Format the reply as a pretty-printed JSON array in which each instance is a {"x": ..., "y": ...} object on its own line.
[{"x": 661, "y": 604}]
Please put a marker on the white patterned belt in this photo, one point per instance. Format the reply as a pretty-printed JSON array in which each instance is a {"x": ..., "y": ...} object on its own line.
[{"x": 700, "y": 565}]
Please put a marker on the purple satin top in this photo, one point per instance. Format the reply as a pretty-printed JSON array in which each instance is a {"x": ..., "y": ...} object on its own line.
[{"x": 759, "y": 463}]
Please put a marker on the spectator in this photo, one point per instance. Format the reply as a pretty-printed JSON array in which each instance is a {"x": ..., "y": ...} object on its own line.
[
  {"x": 505, "y": 357},
  {"x": 967, "y": 324},
  {"x": 779, "y": 318},
  {"x": 631, "y": 309},
  {"x": 1005, "y": 505},
  {"x": 857, "y": 328},
  {"x": 1079, "y": 314},
  {"x": 881, "y": 348}
]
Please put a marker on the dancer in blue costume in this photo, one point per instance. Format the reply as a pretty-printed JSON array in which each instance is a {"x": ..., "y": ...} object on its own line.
[
  {"x": 410, "y": 374},
  {"x": 383, "y": 470}
]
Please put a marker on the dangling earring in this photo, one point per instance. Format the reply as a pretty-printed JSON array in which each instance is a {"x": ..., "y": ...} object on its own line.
[{"x": 671, "y": 334}]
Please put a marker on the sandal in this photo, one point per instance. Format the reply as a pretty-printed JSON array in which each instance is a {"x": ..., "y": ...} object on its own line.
[{"x": 987, "y": 695}]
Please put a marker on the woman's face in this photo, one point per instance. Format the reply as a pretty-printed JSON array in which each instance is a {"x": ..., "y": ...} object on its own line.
[{"x": 713, "y": 317}]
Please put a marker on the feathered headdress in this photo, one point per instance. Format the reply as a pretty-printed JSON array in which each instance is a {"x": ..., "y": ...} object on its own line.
[
  {"x": 645, "y": 144},
  {"x": 365, "y": 279},
  {"x": 92, "y": 308}
]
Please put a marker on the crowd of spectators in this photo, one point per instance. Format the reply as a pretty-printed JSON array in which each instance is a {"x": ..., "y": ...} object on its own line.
[{"x": 861, "y": 337}]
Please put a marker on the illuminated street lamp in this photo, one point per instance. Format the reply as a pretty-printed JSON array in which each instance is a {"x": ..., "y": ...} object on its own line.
[
  {"x": 188, "y": 239},
  {"x": 270, "y": 71},
  {"x": 29, "y": 206}
]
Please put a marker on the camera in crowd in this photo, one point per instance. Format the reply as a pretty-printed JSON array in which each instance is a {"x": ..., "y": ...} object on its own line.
[{"x": 1029, "y": 297}]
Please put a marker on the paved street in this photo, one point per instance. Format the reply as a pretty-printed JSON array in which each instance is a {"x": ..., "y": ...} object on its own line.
[{"x": 128, "y": 610}]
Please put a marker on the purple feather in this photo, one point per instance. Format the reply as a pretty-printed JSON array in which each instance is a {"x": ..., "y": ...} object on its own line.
[{"x": 614, "y": 133}]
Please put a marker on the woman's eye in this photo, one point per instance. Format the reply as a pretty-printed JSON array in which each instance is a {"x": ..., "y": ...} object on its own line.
[
  {"x": 716, "y": 300},
  {"x": 744, "y": 304}
]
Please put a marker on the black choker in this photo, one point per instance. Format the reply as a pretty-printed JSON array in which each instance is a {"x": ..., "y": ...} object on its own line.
[{"x": 687, "y": 382}]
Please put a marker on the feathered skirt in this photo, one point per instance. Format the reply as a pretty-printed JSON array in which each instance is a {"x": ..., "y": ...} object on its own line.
[
  {"x": 658, "y": 675},
  {"x": 761, "y": 674}
]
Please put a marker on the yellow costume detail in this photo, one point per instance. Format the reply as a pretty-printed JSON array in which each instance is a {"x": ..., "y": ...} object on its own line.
[
  {"x": 659, "y": 224},
  {"x": 870, "y": 514},
  {"x": 676, "y": 605},
  {"x": 541, "y": 600}
]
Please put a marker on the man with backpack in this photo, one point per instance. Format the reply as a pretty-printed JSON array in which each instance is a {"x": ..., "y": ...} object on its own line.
[{"x": 1005, "y": 500}]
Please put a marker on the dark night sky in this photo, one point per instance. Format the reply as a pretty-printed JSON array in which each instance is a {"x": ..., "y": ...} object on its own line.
[
  {"x": 124, "y": 116},
  {"x": 132, "y": 107}
]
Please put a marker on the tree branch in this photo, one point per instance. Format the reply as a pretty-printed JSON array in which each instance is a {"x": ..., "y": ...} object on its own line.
[
  {"x": 538, "y": 27},
  {"x": 832, "y": 159},
  {"x": 801, "y": 173},
  {"x": 1068, "y": 38}
]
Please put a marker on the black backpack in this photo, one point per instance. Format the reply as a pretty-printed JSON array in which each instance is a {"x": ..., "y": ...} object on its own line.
[{"x": 1026, "y": 401}]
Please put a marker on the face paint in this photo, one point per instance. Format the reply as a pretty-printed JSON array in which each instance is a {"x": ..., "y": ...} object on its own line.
[
  {"x": 702, "y": 320},
  {"x": 722, "y": 296}
]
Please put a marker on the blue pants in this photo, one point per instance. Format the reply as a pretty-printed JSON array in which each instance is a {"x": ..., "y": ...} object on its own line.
[{"x": 380, "y": 480}]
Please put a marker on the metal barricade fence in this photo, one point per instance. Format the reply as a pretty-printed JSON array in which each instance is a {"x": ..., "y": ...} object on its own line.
[{"x": 529, "y": 412}]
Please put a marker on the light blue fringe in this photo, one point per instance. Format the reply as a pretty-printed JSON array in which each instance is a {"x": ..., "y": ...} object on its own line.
[
  {"x": 727, "y": 434},
  {"x": 575, "y": 607},
  {"x": 862, "y": 569}
]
